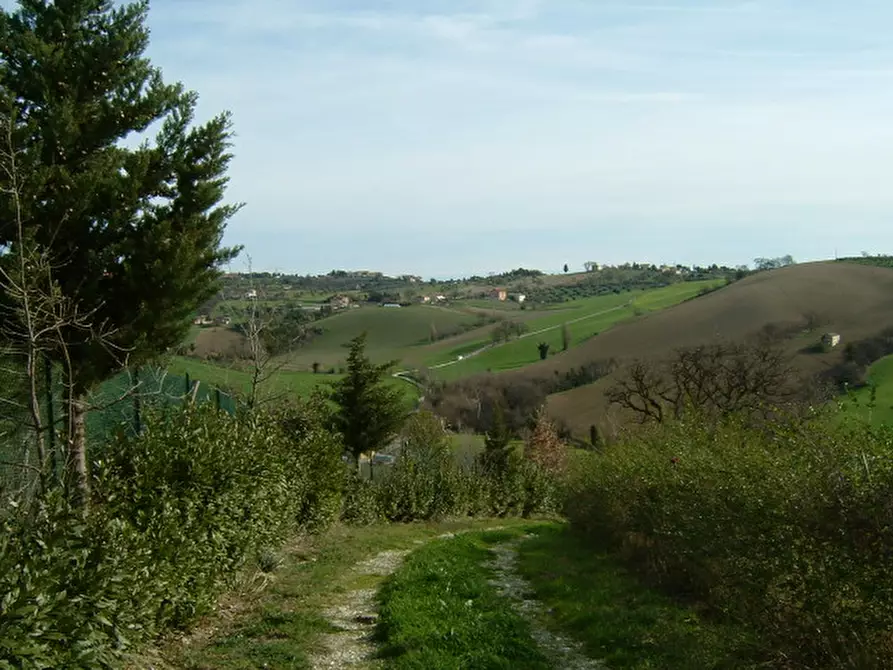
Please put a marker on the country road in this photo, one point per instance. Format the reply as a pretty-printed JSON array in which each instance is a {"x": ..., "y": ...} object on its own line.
[
  {"x": 530, "y": 334},
  {"x": 401, "y": 374}
]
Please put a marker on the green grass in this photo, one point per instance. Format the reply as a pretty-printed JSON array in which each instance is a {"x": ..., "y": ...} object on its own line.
[
  {"x": 490, "y": 304},
  {"x": 298, "y": 383},
  {"x": 279, "y": 627},
  {"x": 879, "y": 411},
  {"x": 585, "y": 318},
  {"x": 616, "y": 618},
  {"x": 390, "y": 331},
  {"x": 439, "y": 611},
  {"x": 283, "y": 382}
]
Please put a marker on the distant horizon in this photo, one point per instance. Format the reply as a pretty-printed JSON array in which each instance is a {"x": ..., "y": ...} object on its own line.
[{"x": 234, "y": 268}]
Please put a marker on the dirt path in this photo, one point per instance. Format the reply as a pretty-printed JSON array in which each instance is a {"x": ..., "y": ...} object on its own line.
[
  {"x": 562, "y": 652},
  {"x": 354, "y": 616}
]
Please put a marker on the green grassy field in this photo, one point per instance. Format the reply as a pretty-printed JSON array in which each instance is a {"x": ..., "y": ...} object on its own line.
[
  {"x": 283, "y": 382},
  {"x": 617, "y": 619},
  {"x": 390, "y": 332},
  {"x": 490, "y": 304},
  {"x": 585, "y": 318},
  {"x": 878, "y": 411},
  {"x": 440, "y": 611}
]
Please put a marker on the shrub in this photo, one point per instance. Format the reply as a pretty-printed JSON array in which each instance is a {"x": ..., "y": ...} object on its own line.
[
  {"x": 177, "y": 512},
  {"x": 426, "y": 482},
  {"x": 786, "y": 527},
  {"x": 544, "y": 448},
  {"x": 429, "y": 483},
  {"x": 361, "y": 506}
]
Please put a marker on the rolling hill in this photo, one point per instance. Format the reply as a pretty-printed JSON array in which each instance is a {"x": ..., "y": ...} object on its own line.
[
  {"x": 853, "y": 300},
  {"x": 585, "y": 318}
]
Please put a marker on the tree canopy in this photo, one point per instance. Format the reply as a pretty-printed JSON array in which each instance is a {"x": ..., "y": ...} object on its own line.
[{"x": 132, "y": 232}]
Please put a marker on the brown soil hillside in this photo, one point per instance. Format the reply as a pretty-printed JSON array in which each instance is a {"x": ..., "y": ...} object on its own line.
[
  {"x": 853, "y": 300},
  {"x": 220, "y": 341}
]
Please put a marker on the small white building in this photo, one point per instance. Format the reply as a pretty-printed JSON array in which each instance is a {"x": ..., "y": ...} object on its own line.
[
  {"x": 251, "y": 295},
  {"x": 830, "y": 340}
]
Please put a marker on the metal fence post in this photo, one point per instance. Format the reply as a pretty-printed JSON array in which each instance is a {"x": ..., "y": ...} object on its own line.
[
  {"x": 51, "y": 415},
  {"x": 137, "y": 422}
]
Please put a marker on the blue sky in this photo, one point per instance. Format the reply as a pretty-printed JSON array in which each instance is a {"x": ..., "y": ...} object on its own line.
[{"x": 454, "y": 137}]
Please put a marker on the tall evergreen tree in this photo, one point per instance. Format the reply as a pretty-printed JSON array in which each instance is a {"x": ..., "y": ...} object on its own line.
[
  {"x": 370, "y": 413},
  {"x": 497, "y": 454},
  {"x": 134, "y": 233}
]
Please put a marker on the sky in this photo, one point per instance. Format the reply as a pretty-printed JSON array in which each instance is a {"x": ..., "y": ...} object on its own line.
[{"x": 455, "y": 137}]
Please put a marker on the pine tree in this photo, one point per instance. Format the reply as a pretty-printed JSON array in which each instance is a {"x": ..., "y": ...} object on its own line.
[
  {"x": 134, "y": 234},
  {"x": 497, "y": 444},
  {"x": 370, "y": 413}
]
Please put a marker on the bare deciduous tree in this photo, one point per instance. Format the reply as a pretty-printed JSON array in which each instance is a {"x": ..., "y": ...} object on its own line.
[
  {"x": 40, "y": 324},
  {"x": 266, "y": 347},
  {"x": 754, "y": 379},
  {"x": 35, "y": 312}
]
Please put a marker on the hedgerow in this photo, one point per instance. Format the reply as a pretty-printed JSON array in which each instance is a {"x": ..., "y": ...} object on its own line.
[
  {"x": 178, "y": 512},
  {"x": 787, "y": 527}
]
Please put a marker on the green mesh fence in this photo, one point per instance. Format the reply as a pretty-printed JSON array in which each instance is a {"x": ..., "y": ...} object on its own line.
[{"x": 120, "y": 404}]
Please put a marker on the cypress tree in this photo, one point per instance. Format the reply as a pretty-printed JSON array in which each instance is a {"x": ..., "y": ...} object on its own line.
[
  {"x": 134, "y": 234},
  {"x": 370, "y": 413},
  {"x": 497, "y": 444}
]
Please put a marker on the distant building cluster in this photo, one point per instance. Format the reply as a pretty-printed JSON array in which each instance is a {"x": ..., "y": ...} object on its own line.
[
  {"x": 427, "y": 299},
  {"x": 502, "y": 295},
  {"x": 205, "y": 320}
]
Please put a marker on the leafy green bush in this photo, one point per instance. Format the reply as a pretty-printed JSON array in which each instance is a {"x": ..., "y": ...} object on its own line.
[
  {"x": 178, "y": 511},
  {"x": 788, "y": 528},
  {"x": 361, "y": 506},
  {"x": 427, "y": 483}
]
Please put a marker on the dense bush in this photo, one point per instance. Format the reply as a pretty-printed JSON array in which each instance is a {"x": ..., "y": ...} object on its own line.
[
  {"x": 789, "y": 528},
  {"x": 177, "y": 513},
  {"x": 428, "y": 482},
  {"x": 858, "y": 356},
  {"x": 583, "y": 375},
  {"x": 471, "y": 403},
  {"x": 871, "y": 349}
]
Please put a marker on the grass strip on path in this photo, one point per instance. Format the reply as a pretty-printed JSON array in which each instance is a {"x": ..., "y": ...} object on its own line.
[
  {"x": 284, "y": 625},
  {"x": 595, "y": 601},
  {"x": 441, "y": 611}
]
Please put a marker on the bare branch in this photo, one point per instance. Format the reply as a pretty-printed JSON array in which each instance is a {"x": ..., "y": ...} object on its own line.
[{"x": 754, "y": 379}]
